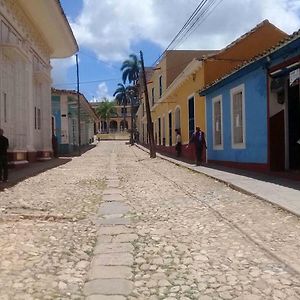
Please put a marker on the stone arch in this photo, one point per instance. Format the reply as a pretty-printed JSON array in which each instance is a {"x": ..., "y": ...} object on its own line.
[
  {"x": 103, "y": 126},
  {"x": 113, "y": 126},
  {"x": 122, "y": 127}
]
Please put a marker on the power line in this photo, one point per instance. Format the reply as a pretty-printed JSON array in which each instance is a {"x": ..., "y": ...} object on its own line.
[
  {"x": 198, "y": 8},
  {"x": 89, "y": 82},
  {"x": 195, "y": 26},
  {"x": 190, "y": 19},
  {"x": 202, "y": 11}
]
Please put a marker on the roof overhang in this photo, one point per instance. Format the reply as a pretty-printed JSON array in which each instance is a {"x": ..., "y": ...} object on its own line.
[
  {"x": 73, "y": 100},
  {"x": 286, "y": 46},
  {"x": 187, "y": 73},
  {"x": 49, "y": 18}
]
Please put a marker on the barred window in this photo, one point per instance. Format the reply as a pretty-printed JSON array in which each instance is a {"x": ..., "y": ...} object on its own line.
[
  {"x": 217, "y": 122},
  {"x": 160, "y": 86},
  {"x": 152, "y": 96},
  {"x": 237, "y": 117}
]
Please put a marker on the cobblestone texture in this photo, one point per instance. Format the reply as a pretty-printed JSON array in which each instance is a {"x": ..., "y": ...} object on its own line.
[{"x": 192, "y": 237}]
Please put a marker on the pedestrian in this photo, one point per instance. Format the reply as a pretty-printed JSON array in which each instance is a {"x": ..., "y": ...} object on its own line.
[
  {"x": 54, "y": 145},
  {"x": 3, "y": 157},
  {"x": 178, "y": 143},
  {"x": 198, "y": 139}
]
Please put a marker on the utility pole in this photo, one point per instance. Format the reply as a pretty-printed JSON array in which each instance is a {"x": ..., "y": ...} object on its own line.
[
  {"x": 148, "y": 113},
  {"x": 131, "y": 119},
  {"x": 78, "y": 107}
]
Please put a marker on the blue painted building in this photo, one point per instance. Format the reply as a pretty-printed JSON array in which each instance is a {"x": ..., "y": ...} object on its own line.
[
  {"x": 65, "y": 120},
  {"x": 253, "y": 113}
]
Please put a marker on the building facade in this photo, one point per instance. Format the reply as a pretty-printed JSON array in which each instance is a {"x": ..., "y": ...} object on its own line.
[
  {"x": 253, "y": 114},
  {"x": 31, "y": 32},
  {"x": 120, "y": 121},
  {"x": 176, "y": 104},
  {"x": 65, "y": 122}
]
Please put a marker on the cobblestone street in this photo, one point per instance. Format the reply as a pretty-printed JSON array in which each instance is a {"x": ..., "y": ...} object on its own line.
[{"x": 114, "y": 224}]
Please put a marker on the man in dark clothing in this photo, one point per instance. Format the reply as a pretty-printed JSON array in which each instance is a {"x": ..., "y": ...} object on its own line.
[
  {"x": 3, "y": 157},
  {"x": 198, "y": 139}
]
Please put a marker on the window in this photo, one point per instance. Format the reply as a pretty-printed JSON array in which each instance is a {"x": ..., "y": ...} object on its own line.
[
  {"x": 163, "y": 131},
  {"x": 170, "y": 129},
  {"x": 238, "y": 117},
  {"x": 35, "y": 118},
  {"x": 152, "y": 96},
  {"x": 5, "y": 107},
  {"x": 160, "y": 86},
  {"x": 217, "y": 123},
  {"x": 191, "y": 115},
  {"x": 39, "y": 119},
  {"x": 159, "y": 131},
  {"x": 124, "y": 110}
]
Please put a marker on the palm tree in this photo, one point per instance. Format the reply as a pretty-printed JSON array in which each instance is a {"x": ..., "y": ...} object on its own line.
[
  {"x": 131, "y": 70},
  {"x": 121, "y": 94},
  {"x": 106, "y": 109}
]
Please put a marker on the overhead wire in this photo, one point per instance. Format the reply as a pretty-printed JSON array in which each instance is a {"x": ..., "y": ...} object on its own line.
[
  {"x": 202, "y": 11},
  {"x": 89, "y": 82},
  {"x": 206, "y": 14},
  {"x": 186, "y": 24}
]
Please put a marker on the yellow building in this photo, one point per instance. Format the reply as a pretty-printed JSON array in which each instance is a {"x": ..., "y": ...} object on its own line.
[{"x": 174, "y": 84}]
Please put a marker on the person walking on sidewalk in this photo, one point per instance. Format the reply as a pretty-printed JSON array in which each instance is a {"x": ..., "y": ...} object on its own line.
[
  {"x": 3, "y": 157},
  {"x": 198, "y": 139},
  {"x": 178, "y": 143}
]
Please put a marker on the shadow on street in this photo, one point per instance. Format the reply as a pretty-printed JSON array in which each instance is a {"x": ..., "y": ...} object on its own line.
[{"x": 19, "y": 174}]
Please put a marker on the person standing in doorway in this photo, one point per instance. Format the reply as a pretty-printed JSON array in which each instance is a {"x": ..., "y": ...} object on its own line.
[
  {"x": 198, "y": 139},
  {"x": 178, "y": 143},
  {"x": 3, "y": 157}
]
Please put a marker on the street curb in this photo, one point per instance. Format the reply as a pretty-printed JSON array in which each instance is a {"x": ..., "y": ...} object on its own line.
[{"x": 229, "y": 184}]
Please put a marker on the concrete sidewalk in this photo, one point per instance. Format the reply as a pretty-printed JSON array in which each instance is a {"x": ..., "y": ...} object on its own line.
[{"x": 284, "y": 193}]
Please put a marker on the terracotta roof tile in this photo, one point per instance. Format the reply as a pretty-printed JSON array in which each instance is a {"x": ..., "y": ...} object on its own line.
[{"x": 272, "y": 49}]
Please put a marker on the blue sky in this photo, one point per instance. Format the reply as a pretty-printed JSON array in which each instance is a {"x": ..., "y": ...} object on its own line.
[{"x": 107, "y": 31}]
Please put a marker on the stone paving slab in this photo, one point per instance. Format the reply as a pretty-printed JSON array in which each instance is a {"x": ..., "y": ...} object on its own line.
[
  {"x": 113, "y": 259},
  {"x": 112, "y": 177},
  {"x": 108, "y": 287},
  {"x": 112, "y": 216},
  {"x": 114, "y": 221},
  {"x": 110, "y": 208},
  {"x": 125, "y": 237},
  {"x": 104, "y": 238},
  {"x": 111, "y": 191},
  {"x": 113, "y": 247},
  {"x": 113, "y": 184},
  {"x": 113, "y": 230},
  {"x": 106, "y": 272},
  {"x": 105, "y": 297},
  {"x": 113, "y": 197}
]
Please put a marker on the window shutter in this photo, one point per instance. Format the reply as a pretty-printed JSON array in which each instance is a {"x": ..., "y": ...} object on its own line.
[
  {"x": 217, "y": 125},
  {"x": 238, "y": 119}
]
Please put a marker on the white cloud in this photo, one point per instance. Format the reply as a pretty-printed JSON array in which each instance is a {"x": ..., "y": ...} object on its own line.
[
  {"x": 102, "y": 92},
  {"x": 111, "y": 27},
  {"x": 59, "y": 71}
]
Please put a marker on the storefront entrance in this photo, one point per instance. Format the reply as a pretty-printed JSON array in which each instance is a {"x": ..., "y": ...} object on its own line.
[
  {"x": 294, "y": 126},
  {"x": 284, "y": 125}
]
